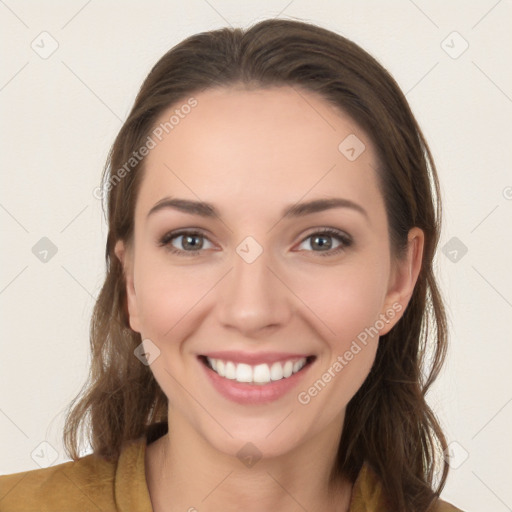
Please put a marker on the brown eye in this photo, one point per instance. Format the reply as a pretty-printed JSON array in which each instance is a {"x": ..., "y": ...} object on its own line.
[
  {"x": 188, "y": 243},
  {"x": 323, "y": 241}
]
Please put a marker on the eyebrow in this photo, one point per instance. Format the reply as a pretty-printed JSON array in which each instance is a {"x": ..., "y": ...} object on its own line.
[{"x": 292, "y": 211}]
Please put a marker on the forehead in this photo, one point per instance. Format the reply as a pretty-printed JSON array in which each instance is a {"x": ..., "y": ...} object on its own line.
[{"x": 272, "y": 145}]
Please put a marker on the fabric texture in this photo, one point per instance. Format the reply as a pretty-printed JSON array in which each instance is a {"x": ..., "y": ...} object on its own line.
[{"x": 92, "y": 484}]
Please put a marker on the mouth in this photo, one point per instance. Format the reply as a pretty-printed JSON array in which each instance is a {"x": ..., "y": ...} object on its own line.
[{"x": 262, "y": 374}]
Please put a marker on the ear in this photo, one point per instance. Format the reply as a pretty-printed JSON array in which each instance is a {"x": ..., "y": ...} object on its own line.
[
  {"x": 403, "y": 279},
  {"x": 125, "y": 256}
]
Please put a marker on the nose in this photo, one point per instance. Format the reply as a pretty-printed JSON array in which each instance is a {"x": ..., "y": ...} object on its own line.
[{"x": 253, "y": 298}]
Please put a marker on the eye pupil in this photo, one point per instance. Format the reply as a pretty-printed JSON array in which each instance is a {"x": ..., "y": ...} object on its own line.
[
  {"x": 328, "y": 244},
  {"x": 187, "y": 241}
]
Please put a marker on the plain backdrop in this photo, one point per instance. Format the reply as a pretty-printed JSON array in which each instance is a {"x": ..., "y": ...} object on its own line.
[{"x": 70, "y": 71}]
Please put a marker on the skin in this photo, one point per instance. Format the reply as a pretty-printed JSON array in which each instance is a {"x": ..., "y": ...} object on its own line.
[{"x": 251, "y": 153}]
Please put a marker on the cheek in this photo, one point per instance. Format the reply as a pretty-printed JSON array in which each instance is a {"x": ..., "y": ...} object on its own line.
[
  {"x": 346, "y": 298},
  {"x": 347, "y": 304},
  {"x": 166, "y": 294}
]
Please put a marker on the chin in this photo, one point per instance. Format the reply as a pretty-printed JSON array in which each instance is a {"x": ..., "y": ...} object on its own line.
[{"x": 266, "y": 440}]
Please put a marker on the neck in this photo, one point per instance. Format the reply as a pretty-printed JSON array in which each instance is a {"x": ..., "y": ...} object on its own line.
[{"x": 184, "y": 472}]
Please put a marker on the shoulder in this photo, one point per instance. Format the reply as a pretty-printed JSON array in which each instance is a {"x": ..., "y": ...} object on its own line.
[
  {"x": 86, "y": 484},
  {"x": 368, "y": 495},
  {"x": 443, "y": 506}
]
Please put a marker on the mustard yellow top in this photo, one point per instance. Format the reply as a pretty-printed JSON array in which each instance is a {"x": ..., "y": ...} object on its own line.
[{"x": 92, "y": 484}]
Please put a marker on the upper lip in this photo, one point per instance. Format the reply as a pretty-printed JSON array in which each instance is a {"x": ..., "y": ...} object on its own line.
[{"x": 255, "y": 358}]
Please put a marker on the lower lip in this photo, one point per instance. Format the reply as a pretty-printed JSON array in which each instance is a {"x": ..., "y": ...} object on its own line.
[{"x": 247, "y": 394}]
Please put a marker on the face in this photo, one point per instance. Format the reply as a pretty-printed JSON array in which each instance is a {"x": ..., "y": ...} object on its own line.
[{"x": 260, "y": 287}]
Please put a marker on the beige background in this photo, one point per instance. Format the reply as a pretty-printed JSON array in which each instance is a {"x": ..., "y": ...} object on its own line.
[{"x": 60, "y": 114}]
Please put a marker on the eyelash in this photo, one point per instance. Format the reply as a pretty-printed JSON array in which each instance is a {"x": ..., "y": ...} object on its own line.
[{"x": 346, "y": 241}]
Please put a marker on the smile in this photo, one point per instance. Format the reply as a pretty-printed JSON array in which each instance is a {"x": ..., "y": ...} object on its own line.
[{"x": 256, "y": 374}]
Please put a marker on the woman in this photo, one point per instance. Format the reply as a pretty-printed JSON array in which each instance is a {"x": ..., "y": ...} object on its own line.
[{"x": 259, "y": 340}]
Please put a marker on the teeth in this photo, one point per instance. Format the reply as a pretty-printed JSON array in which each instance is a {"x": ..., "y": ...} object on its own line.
[
  {"x": 276, "y": 372},
  {"x": 230, "y": 370},
  {"x": 287, "y": 369},
  {"x": 259, "y": 374},
  {"x": 297, "y": 366},
  {"x": 243, "y": 373},
  {"x": 220, "y": 368}
]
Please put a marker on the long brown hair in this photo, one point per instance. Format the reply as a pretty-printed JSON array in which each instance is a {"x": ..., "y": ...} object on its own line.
[{"x": 388, "y": 423}]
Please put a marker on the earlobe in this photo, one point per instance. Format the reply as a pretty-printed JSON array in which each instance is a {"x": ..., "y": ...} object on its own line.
[
  {"x": 404, "y": 277},
  {"x": 124, "y": 255},
  {"x": 119, "y": 250}
]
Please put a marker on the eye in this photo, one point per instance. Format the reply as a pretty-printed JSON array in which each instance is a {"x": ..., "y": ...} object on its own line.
[
  {"x": 322, "y": 240},
  {"x": 191, "y": 242}
]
